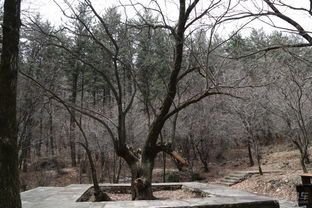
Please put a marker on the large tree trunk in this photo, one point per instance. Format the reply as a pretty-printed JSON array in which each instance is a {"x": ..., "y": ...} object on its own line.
[
  {"x": 142, "y": 165},
  {"x": 9, "y": 178},
  {"x": 141, "y": 182},
  {"x": 142, "y": 168}
]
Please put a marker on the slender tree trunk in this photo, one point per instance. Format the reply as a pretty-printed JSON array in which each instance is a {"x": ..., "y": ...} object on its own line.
[
  {"x": 303, "y": 156},
  {"x": 72, "y": 125},
  {"x": 24, "y": 146},
  {"x": 259, "y": 165},
  {"x": 258, "y": 155},
  {"x": 9, "y": 177},
  {"x": 98, "y": 193},
  {"x": 203, "y": 153},
  {"x": 164, "y": 167},
  {"x": 204, "y": 160},
  {"x": 164, "y": 159},
  {"x": 25, "y": 155},
  {"x": 51, "y": 134},
  {"x": 251, "y": 162},
  {"x": 307, "y": 159},
  {"x": 103, "y": 163},
  {"x": 82, "y": 88},
  {"x": 114, "y": 167},
  {"x": 39, "y": 142},
  {"x": 72, "y": 139},
  {"x": 303, "y": 152},
  {"x": 119, "y": 169},
  {"x": 303, "y": 166}
]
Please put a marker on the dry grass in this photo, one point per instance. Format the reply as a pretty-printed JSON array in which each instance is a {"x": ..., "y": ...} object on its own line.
[
  {"x": 278, "y": 185},
  {"x": 281, "y": 186}
]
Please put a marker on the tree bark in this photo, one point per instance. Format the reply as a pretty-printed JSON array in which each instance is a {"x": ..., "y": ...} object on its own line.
[
  {"x": 303, "y": 148},
  {"x": 72, "y": 125},
  {"x": 26, "y": 144},
  {"x": 259, "y": 164},
  {"x": 141, "y": 169},
  {"x": 39, "y": 143},
  {"x": 51, "y": 136},
  {"x": 72, "y": 141},
  {"x": 141, "y": 182},
  {"x": 251, "y": 162},
  {"x": 9, "y": 177},
  {"x": 258, "y": 154},
  {"x": 99, "y": 195},
  {"x": 303, "y": 166}
]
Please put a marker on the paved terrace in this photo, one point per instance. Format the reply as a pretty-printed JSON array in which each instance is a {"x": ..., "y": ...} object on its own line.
[{"x": 219, "y": 197}]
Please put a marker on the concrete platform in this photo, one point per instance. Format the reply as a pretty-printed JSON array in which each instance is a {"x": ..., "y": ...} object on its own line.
[{"x": 219, "y": 197}]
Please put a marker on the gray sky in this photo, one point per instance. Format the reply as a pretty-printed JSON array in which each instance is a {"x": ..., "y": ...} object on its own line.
[{"x": 49, "y": 10}]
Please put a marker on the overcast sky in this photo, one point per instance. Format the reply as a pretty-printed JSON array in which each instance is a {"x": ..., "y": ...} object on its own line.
[{"x": 49, "y": 10}]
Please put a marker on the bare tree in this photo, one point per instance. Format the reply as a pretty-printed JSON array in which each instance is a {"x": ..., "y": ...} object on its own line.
[
  {"x": 120, "y": 62},
  {"x": 293, "y": 89}
]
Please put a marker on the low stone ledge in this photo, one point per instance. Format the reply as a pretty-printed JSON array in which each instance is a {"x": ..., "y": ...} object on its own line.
[{"x": 219, "y": 197}]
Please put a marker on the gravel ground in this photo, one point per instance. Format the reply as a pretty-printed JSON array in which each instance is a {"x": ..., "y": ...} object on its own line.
[{"x": 165, "y": 194}]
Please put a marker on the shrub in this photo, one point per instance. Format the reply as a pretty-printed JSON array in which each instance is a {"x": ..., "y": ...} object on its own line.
[{"x": 197, "y": 177}]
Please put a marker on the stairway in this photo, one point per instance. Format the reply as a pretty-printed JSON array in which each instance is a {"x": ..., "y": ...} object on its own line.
[{"x": 234, "y": 178}]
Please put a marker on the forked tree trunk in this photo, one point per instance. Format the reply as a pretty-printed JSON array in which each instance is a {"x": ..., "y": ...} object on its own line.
[
  {"x": 141, "y": 182},
  {"x": 303, "y": 148},
  {"x": 141, "y": 172}
]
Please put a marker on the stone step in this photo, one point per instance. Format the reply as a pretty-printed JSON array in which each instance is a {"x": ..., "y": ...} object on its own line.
[
  {"x": 229, "y": 181},
  {"x": 239, "y": 174},
  {"x": 225, "y": 183},
  {"x": 233, "y": 177}
]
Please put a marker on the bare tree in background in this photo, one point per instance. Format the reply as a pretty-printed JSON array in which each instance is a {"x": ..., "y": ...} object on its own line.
[{"x": 293, "y": 88}]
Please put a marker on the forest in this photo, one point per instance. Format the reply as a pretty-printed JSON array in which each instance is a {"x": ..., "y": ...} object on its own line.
[{"x": 118, "y": 91}]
